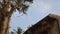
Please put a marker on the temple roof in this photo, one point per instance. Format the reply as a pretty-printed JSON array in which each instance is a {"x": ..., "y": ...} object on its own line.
[{"x": 49, "y": 18}]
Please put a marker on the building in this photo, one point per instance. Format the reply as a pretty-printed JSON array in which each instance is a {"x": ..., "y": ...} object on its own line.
[{"x": 48, "y": 25}]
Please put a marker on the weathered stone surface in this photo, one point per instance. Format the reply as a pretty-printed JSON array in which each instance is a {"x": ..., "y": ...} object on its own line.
[{"x": 48, "y": 25}]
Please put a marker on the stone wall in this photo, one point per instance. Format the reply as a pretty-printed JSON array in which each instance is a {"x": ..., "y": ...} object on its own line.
[{"x": 48, "y": 25}]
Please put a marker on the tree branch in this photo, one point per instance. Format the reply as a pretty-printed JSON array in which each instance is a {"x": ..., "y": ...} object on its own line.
[
  {"x": 6, "y": 1},
  {"x": 5, "y": 4},
  {"x": 14, "y": 7}
]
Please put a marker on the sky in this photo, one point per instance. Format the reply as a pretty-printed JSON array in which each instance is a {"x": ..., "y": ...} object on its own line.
[{"x": 37, "y": 11}]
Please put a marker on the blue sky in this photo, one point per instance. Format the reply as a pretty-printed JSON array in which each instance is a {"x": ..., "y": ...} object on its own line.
[{"x": 37, "y": 11}]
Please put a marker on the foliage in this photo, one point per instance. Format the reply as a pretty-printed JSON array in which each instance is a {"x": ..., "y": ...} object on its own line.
[
  {"x": 18, "y": 31},
  {"x": 10, "y": 6},
  {"x": 12, "y": 32}
]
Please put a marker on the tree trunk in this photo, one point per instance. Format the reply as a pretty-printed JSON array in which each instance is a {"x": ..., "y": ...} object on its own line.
[{"x": 4, "y": 25}]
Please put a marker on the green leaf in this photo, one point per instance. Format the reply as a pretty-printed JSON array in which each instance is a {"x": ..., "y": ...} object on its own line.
[
  {"x": 24, "y": 8},
  {"x": 19, "y": 31},
  {"x": 19, "y": 10},
  {"x": 12, "y": 32},
  {"x": 29, "y": 0}
]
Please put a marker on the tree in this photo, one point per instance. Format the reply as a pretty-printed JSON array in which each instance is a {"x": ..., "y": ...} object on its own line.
[
  {"x": 12, "y": 32},
  {"x": 7, "y": 8},
  {"x": 18, "y": 31}
]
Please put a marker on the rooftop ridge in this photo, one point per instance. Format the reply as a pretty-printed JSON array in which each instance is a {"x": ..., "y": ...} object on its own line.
[{"x": 54, "y": 16}]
